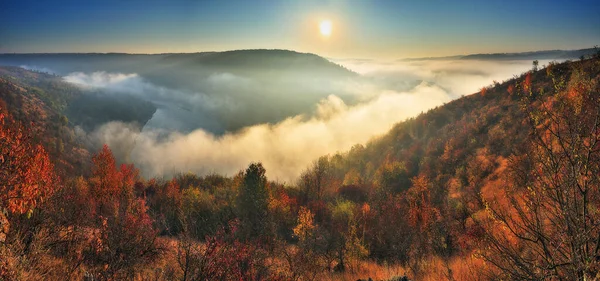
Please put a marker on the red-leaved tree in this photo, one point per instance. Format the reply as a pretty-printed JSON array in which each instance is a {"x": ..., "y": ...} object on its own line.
[{"x": 26, "y": 174}]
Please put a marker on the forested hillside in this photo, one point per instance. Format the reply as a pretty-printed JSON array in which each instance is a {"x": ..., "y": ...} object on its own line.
[
  {"x": 36, "y": 102},
  {"x": 499, "y": 184},
  {"x": 52, "y": 110}
]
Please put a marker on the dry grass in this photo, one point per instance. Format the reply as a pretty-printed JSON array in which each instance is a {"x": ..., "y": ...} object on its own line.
[
  {"x": 466, "y": 268},
  {"x": 366, "y": 270}
]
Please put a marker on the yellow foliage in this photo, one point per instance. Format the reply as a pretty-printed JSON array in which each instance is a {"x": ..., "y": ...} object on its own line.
[{"x": 305, "y": 224}]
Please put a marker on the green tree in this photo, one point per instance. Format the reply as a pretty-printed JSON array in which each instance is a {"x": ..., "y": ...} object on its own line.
[
  {"x": 199, "y": 212},
  {"x": 253, "y": 202},
  {"x": 345, "y": 239},
  {"x": 392, "y": 177}
]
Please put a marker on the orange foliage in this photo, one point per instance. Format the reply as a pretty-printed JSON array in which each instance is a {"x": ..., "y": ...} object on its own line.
[
  {"x": 106, "y": 178},
  {"x": 173, "y": 192},
  {"x": 511, "y": 89},
  {"x": 422, "y": 213},
  {"x": 26, "y": 173},
  {"x": 527, "y": 83},
  {"x": 126, "y": 236},
  {"x": 109, "y": 182},
  {"x": 365, "y": 209},
  {"x": 305, "y": 224}
]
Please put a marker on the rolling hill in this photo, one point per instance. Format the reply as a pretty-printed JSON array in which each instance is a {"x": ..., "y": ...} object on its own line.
[{"x": 229, "y": 61}]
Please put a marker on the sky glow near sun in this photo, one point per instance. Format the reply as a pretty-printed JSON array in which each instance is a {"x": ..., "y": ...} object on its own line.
[
  {"x": 376, "y": 29},
  {"x": 325, "y": 28}
]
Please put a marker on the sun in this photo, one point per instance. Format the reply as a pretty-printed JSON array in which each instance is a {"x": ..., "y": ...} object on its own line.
[{"x": 325, "y": 28}]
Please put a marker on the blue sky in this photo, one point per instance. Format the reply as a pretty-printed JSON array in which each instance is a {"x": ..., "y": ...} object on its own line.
[{"x": 361, "y": 28}]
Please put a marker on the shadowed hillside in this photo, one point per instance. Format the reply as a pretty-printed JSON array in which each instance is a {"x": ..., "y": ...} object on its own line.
[
  {"x": 221, "y": 91},
  {"x": 88, "y": 109},
  {"x": 230, "y": 61}
]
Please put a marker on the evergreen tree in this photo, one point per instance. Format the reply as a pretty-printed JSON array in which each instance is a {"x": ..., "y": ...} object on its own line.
[{"x": 253, "y": 202}]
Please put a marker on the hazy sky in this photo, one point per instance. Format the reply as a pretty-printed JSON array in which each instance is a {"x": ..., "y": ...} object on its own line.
[{"x": 361, "y": 28}]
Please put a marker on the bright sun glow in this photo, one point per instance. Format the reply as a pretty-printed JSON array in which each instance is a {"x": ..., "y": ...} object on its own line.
[{"x": 325, "y": 28}]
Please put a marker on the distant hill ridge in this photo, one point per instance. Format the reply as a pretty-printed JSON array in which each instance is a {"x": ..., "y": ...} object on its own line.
[
  {"x": 274, "y": 59},
  {"x": 545, "y": 54}
]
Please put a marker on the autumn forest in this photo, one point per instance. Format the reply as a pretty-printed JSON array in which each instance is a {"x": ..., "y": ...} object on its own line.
[
  {"x": 312, "y": 140},
  {"x": 499, "y": 184}
]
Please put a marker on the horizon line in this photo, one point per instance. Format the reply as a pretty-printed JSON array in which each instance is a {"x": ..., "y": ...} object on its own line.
[{"x": 290, "y": 50}]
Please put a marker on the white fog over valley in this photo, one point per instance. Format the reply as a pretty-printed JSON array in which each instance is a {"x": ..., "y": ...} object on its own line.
[{"x": 187, "y": 131}]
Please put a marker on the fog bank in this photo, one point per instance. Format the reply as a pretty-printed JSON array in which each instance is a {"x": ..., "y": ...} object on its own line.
[{"x": 177, "y": 140}]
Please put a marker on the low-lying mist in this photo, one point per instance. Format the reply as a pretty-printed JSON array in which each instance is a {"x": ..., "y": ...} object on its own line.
[{"x": 188, "y": 132}]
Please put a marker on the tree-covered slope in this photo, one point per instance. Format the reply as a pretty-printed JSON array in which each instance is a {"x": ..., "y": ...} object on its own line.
[
  {"x": 51, "y": 109},
  {"x": 496, "y": 174}
]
